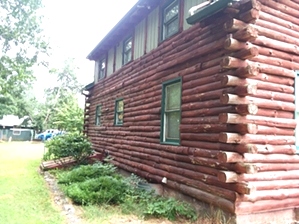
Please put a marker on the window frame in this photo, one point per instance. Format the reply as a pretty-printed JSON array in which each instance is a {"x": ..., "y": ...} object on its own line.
[
  {"x": 116, "y": 112},
  {"x": 98, "y": 115},
  {"x": 16, "y": 132},
  {"x": 163, "y": 25},
  {"x": 163, "y": 138},
  {"x": 102, "y": 72},
  {"x": 126, "y": 52}
]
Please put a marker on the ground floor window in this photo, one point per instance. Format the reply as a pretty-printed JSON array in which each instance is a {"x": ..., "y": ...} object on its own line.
[
  {"x": 119, "y": 112},
  {"x": 98, "y": 114},
  {"x": 171, "y": 112}
]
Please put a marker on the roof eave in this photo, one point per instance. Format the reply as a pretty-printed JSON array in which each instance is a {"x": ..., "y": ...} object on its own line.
[{"x": 208, "y": 11}]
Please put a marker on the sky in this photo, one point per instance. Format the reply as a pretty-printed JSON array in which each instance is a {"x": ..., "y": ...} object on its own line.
[{"x": 74, "y": 28}]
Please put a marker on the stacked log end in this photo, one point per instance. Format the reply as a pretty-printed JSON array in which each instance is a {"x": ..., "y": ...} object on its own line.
[
  {"x": 237, "y": 113},
  {"x": 263, "y": 54}
]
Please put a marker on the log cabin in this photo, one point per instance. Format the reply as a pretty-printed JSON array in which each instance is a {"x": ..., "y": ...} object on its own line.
[{"x": 200, "y": 96}]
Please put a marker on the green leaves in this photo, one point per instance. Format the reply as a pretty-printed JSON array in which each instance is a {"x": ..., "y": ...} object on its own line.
[{"x": 21, "y": 44}]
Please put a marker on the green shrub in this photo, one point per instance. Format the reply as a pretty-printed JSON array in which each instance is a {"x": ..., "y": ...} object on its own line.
[
  {"x": 102, "y": 190},
  {"x": 100, "y": 184},
  {"x": 75, "y": 145},
  {"x": 85, "y": 172},
  {"x": 170, "y": 209}
]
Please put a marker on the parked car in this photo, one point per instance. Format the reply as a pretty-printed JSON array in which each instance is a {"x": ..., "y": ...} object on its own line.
[{"x": 48, "y": 134}]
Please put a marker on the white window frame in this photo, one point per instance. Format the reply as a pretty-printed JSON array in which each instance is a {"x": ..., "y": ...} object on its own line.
[
  {"x": 98, "y": 115},
  {"x": 102, "y": 70},
  {"x": 175, "y": 18},
  {"x": 119, "y": 113},
  {"x": 127, "y": 53}
]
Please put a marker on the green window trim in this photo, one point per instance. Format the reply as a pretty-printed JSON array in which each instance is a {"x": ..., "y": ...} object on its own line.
[
  {"x": 98, "y": 115},
  {"x": 171, "y": 112},
  {"x": 170, "y": 19},
  {"x": 296, "y": 115},
  {"x": 119, "y": 112},
  {"x": 127, "y": 50}
]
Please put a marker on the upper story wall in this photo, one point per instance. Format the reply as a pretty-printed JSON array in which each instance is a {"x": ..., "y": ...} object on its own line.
[{"x": 146, "y": 36}]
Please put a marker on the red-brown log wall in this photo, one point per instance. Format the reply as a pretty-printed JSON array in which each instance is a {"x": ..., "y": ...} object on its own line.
[{"x": 237, "y": 124}]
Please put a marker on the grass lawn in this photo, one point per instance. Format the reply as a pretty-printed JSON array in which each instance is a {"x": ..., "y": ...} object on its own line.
[{"x": 24, "y": 197}]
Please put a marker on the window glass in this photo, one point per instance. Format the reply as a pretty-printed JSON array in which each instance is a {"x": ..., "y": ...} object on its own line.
[
  {"x": 170, "y": 20},
  {"x": 171, "y": 112},
  {"x": 102, "y": 69},
  {"x": 119, "y": 112},
  {"x": 172, "y": 125},
  {"x": 127, "y": 54},
  {"x": 98, "y": 115}
]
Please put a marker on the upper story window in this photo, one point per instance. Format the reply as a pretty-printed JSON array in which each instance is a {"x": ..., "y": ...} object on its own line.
[
  {"x": 127, "y": 50},
  {"x": 119, "y": 112},
  {"x": 102, "y": 69},
  {"x": 171, "y": 112},
  {"x": 170, "y": 20}
]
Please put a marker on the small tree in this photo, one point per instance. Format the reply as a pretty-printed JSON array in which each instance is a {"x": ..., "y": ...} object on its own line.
[{"x": 74, "y": 144}]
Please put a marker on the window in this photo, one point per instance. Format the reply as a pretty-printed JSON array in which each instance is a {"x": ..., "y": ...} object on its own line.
[
  {"x": 127, "y": 50},
  {"x": 98, "y": 114},
  {"x": 171, "y": 112},
  {"x": 170, "y": 20},
  {"x": 119, "y": 112},
  {"x": 16, "y": 132},
  {"x": 102, "y": 69}
]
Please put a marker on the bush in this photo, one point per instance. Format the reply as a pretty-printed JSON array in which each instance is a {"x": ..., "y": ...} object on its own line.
[
  {"x": 101, "y": 190},
  {"x": 86, "y": 172},
  {"x": 75, "y": 145},
  {"x": 100, "y": 184}
]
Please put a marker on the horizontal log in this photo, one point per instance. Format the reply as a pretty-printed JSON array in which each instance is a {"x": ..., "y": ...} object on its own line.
[
  {"x": 267, "y": 15},
  {"x": 231, "y": 63},
  {"x": 259, "y": 139},
  {"x": 250, "y": 15},
  {"x": 274, "y": 184},
  {"x": 246, "y": 53},
  {"x": 265, "y": 206},
  {"x": 245, "y": 109},
  {"x": 232, "y": 157},
  {"x": 228, "y": 80},
  {"x": 233, "y": 44},
  {"x": 282, "y": 8},
  {"x": 265, "y": 103},
  {"x": 280, "y": 194},
  {"x": 207, "y": 111},
  {"x": 260, "y": 120},
  {"x": 275, "y": 113},
  {"x": 247, "y": 34},
  {"x": 234, "y": 25},
  {"x": 216, "y": 128},
  {"x": 200, "y": 120},
  {"x": 203, "y": 196},
  {"x": 276, "y": 44},
  {"x": 274, "y": 149},
  {"x": 262, "y": 167}
]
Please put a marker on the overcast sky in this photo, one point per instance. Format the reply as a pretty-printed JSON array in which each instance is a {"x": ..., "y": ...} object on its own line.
[{"x": 75, "y": 27}]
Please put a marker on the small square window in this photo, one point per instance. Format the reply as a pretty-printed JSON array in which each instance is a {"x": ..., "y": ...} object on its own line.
[
  {"x": 16, "y": 132},
  {"x": 127, "y": 50},
  {"x": 98, "y": 114},
  {"x": 170, "y": 20},
  {"x": 171, "y": 112},
  {"x": 119, "y": 112},
  {"x": 102, "y": 69}
]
